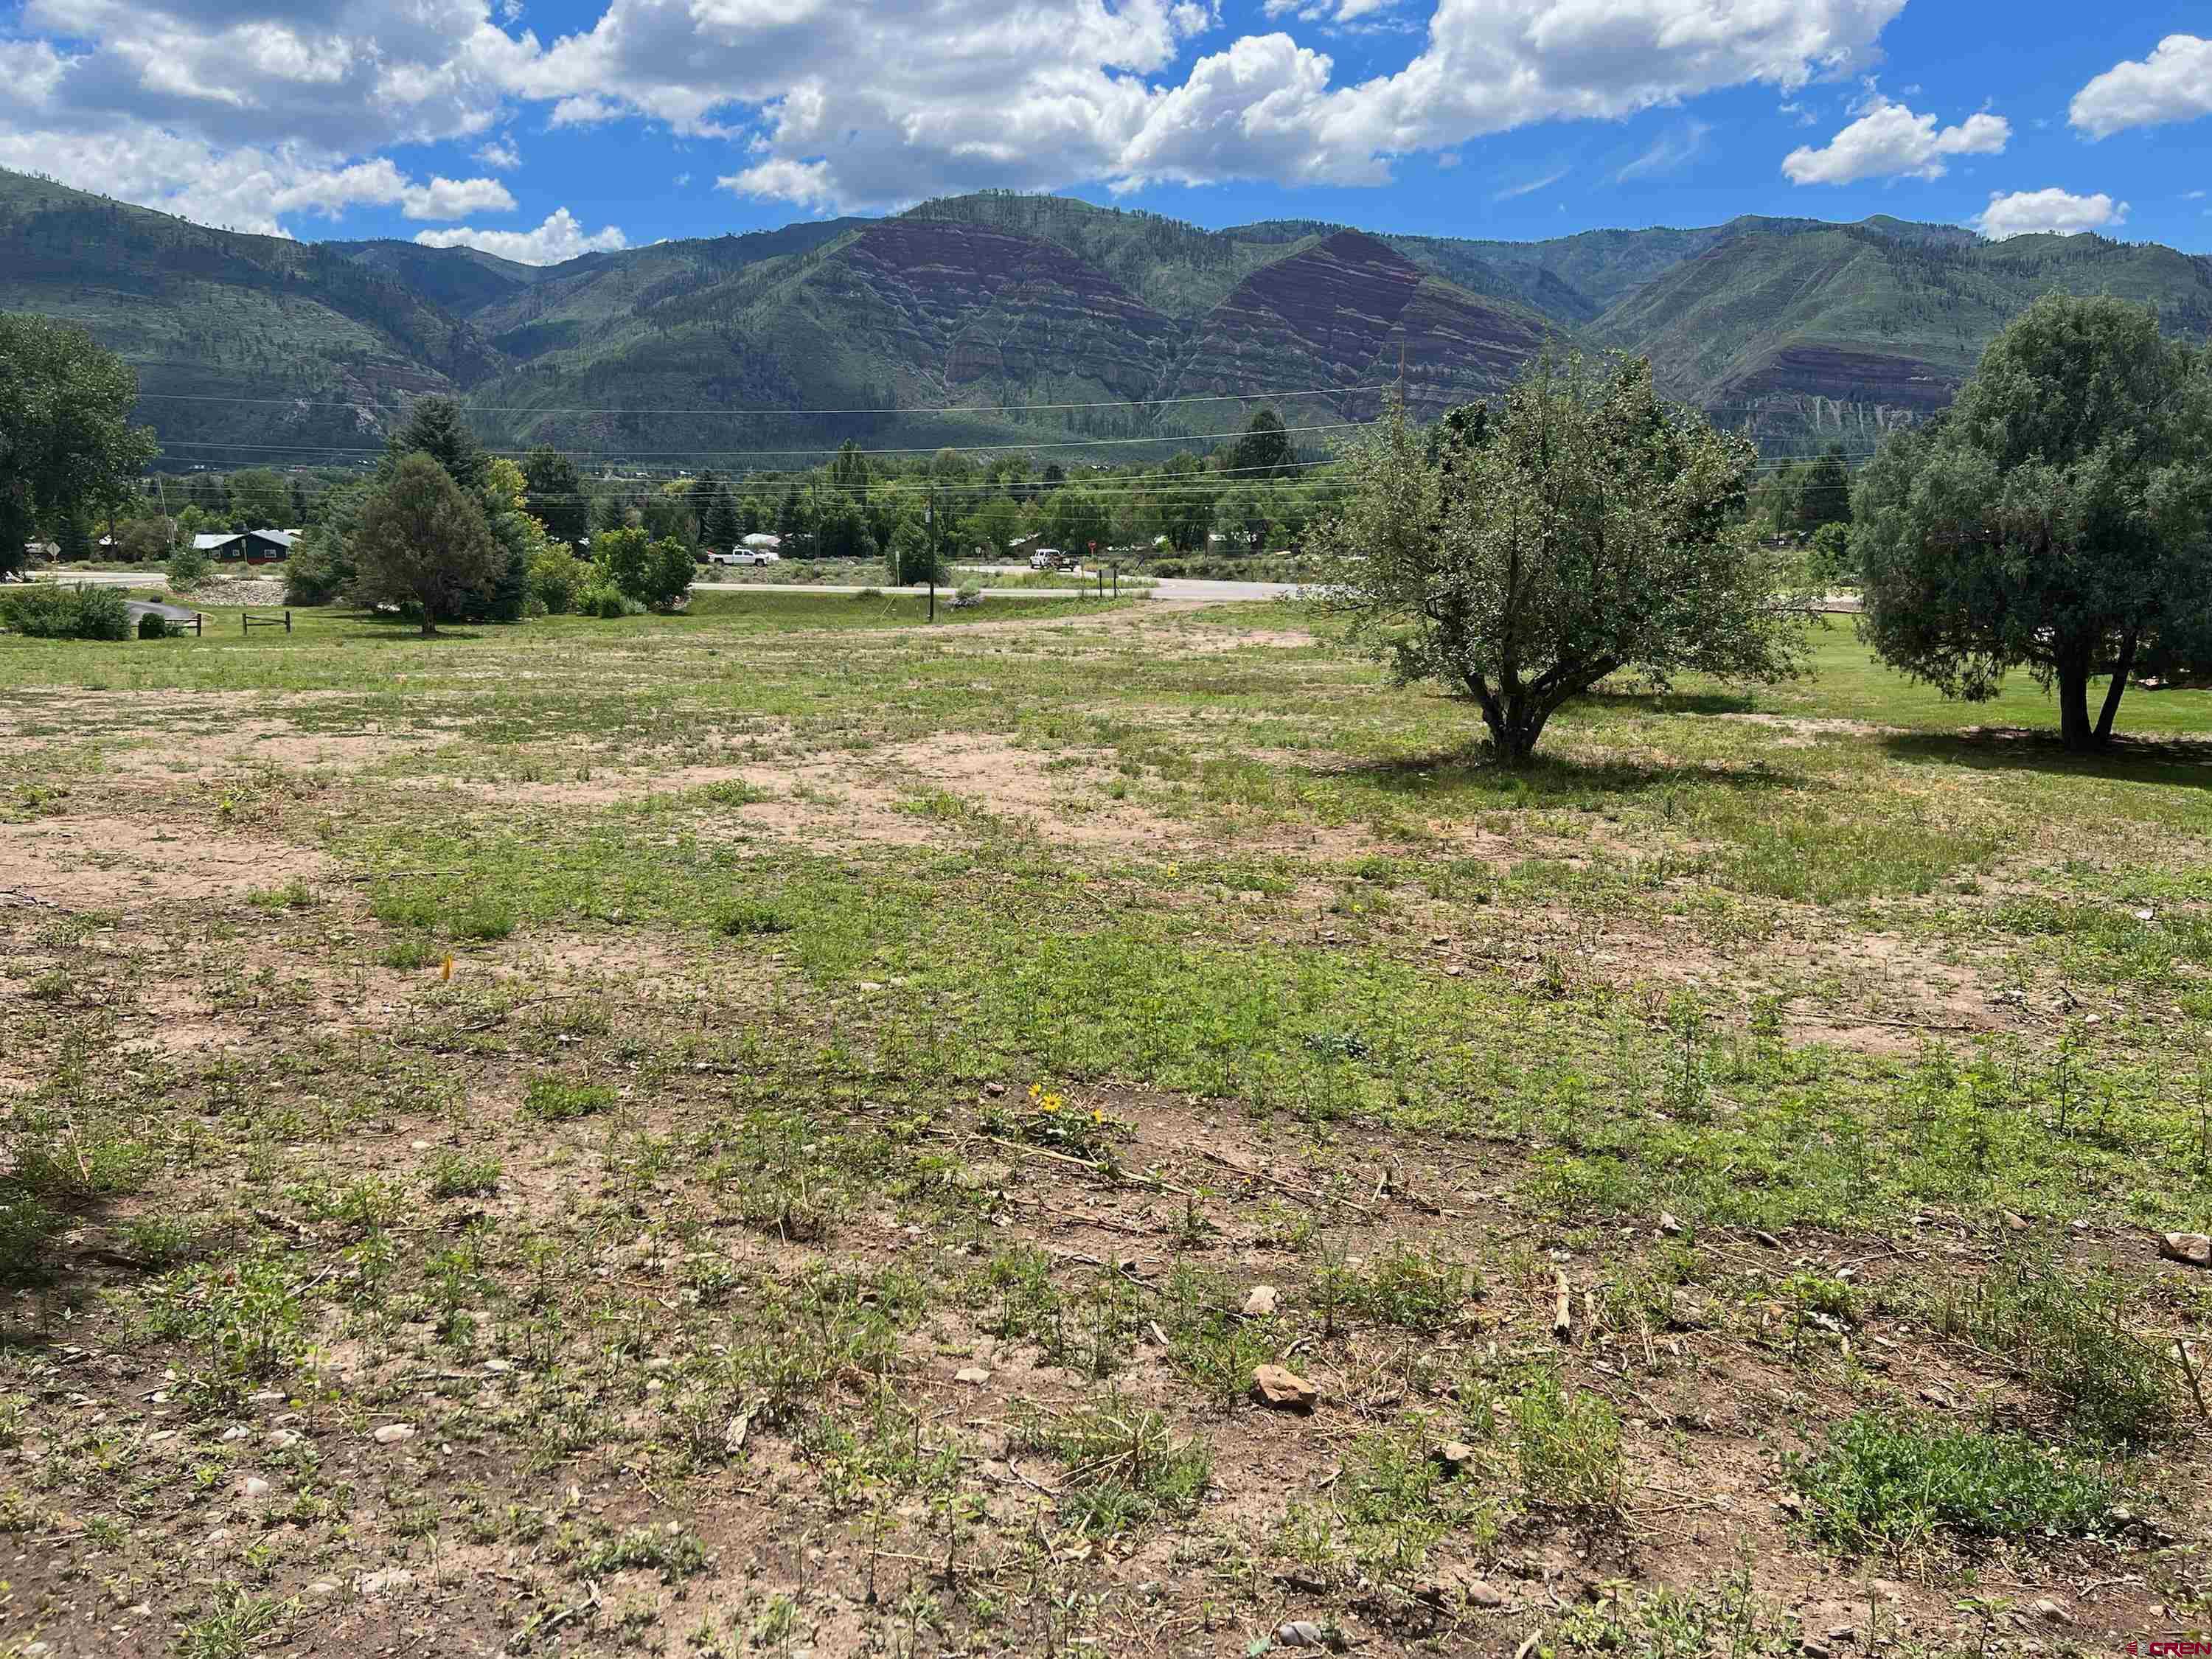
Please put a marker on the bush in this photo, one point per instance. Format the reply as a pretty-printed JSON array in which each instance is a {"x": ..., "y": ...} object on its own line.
[
  {"x": 970, "y": 595},
  {"x": 557, "y": 580},
  {"x": 657, "y": 573},
  {"x": 153, "y": 626},
  {"x": 1888, "y": 1484},
  {"x": 188, "y": 567},
  {"x": 47, "y": 612},
  {"x": 604, "y": 599},
  {"x": 1830, "y": 557}
]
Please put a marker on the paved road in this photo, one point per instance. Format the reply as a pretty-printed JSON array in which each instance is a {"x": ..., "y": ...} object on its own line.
[{"x": 1166, "y": 588}]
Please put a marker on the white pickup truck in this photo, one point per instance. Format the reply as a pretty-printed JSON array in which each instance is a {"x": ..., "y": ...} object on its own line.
[{"x": 745, "y": 555}]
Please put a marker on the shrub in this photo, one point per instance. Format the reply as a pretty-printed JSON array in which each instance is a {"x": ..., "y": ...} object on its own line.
[
  {"x": 657, "y": 574},
  {"x": 557, "y": 580},
  {"x": 49, "y": 612},
  {"x": 153, "y": 626},
  {"x": 604, "y": 599},
  {"x": 1889, "y": 1484},
  {"x": 188, "y": 567}
]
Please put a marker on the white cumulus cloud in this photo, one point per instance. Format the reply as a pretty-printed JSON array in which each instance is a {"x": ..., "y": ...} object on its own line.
[
  {"x": 2174, "y": 83},
  {"x": 2026, "y": 212},
  {"x": 561, "y": 237},
  {"x": 837, "y": 106},
  {"x": 1890, "y": 141},
  {"x": 243, "y": 189}
]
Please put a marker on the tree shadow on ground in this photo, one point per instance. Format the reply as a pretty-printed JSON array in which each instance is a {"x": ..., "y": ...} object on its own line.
[
  {"x": 1668, "y": 702},
  {"x": 2184, "y": 761},
  {"x": 1554, "y": 778}
]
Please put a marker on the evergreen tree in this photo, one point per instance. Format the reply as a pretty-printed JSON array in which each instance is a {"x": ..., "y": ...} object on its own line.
[
  {"x": 435, "y": 426},
  {"x": 1264, "y": 451},
  {"x": 423, "y": 544}
]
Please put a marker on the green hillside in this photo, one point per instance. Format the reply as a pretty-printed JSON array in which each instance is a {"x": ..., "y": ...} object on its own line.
[
  {"x": 207, "y": 316},
  {"x": 953, "y": 322},
  {"x": 1836, "y": 332}
]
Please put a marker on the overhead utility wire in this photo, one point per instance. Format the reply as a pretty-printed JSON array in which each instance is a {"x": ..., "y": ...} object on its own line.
[{"x": 793, "y": 414}]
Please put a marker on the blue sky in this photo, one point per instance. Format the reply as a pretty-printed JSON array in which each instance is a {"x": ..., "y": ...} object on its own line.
[{"x": 543, "y": 130}]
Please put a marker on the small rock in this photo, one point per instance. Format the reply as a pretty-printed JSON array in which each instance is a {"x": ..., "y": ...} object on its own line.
[
  {"x": 498, "y": 1366},
  {"x": 267, "y": 1397},
  {"x": 1261, "y": 1304},
  {"x": 1283, "y": 1389},
  {"x": 2195, "y": 1250},
  {"x": 420, "y": 1146},
  {"x": 1813, "y": 1650},
  {"x": 1887, "y": 1589},
  {"x": 975, "y": 1374},
  {"x": 390, "y": 1578},
  {"x": 1668, "y": 1226},
  {"x": 1149, "y": 1590},
  {"x": 2014, "y": 1223},
  {"x": 283, "y": 1439},
  {"x": 2055, "y": 1612},
  {"x": 236, "y": 1431},
  {"x": 322, "y": 1587},
  {"x": 1455, "y": 1454},
  {"x": 1305, "y": 1633},
  {"x": 995, "y": 1089},
  {"x": 1480, "y": 1593},
  {"x": 256, "y": 1487},
  {"x": 1454, "y": 971},
  {"x": 1843, "y": 1632},
  {"x": 392, "y": 1433}
]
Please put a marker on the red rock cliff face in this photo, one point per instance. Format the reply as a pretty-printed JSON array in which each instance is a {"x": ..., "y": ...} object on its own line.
[
  {"x": 973, "y": 304},
  {"x": 1336, "y": 313}
]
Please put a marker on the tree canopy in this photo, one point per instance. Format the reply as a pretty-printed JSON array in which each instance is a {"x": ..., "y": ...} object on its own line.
[
  {"x": 2058, "y": 517},
  {"x": 555, "y": 497},
  {"x": 435, "y": 427},
  {"x": 66, "y": 442},
  {"x": 1583, "y": 529},
  {"x": 424, "y": 543},
  {"x": 1264, "y": 451}
]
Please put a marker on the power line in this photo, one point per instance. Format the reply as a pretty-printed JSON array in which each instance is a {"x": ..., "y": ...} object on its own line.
[
  {"x": 812, "y": 449},
  {"x": 791, "y": 414}
]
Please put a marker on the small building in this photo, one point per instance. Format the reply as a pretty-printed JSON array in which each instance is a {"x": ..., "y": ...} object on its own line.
[{"x": 254, "y": 546}]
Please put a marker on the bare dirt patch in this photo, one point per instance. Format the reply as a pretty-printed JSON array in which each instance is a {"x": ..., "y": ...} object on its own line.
[{"x": 115, "y": 863}]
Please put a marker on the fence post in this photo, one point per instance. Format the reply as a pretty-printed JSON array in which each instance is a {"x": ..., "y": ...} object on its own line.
[
  {"x": 199, "y": 621},
  {"x": 933, "y": 596},
  {"x": 242, "y": 625},
  {"x": 287, "y": 621}
]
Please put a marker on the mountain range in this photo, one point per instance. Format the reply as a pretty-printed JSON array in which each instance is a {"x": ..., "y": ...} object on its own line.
[{"x": 953, "y": 322}]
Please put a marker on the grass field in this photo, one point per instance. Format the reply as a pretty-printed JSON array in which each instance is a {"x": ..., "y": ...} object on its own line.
[{"x": 765, "y": 1132}]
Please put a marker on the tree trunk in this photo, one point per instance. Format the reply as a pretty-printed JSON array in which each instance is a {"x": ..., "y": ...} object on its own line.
[
  {"x": 2115, "y": 689},
  {"x": 430, "y": 626},
  {"x": 2074, "y": 728}
]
